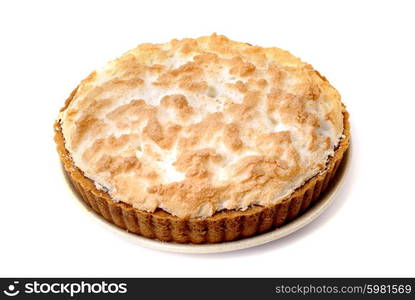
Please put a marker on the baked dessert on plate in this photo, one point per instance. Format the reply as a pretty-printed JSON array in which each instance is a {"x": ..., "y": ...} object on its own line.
[{"x": 202, "y": 140}]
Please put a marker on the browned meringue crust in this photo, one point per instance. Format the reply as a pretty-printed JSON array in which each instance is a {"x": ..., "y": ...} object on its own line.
[
  {"x": 196, "y": 126},
  {"x": 227, "y": 225}
]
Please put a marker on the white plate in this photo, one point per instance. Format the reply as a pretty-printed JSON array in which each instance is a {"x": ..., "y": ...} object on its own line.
[{"x": 312, "y": 213}]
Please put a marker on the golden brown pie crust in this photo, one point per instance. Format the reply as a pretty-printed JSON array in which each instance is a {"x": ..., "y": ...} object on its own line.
[{"x": 223, "y": 226}]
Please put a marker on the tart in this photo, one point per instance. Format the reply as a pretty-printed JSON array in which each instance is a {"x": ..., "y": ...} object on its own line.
[{"x": 202, "y": 140}]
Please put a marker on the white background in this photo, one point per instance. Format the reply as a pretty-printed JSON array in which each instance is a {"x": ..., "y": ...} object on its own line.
[{"x": 365, "y": 48}]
